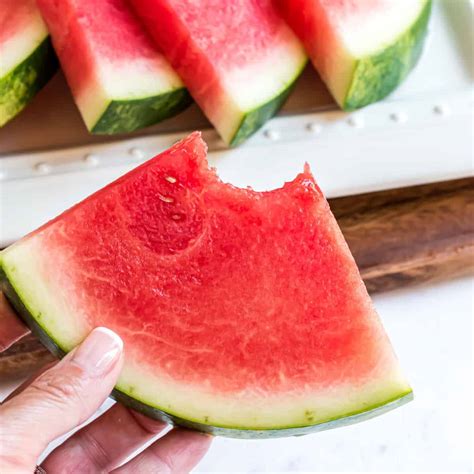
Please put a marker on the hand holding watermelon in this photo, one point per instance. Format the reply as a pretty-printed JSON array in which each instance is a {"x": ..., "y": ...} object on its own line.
[
  {"x": 242, "y": 313},
  {"x": 68, "y": 393}
]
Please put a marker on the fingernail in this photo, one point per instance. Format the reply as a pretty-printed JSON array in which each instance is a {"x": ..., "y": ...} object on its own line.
[{"x": 99, "y": 352}]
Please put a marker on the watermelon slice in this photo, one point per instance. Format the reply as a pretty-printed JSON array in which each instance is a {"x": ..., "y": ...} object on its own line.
[
  {"x": 27, "y": 59},
  {"x": 119, "y": 80},
  {"x": 362, "y": 49},
  {"x": 242, "y": 313},
  {"x": 238, "y": 59}
]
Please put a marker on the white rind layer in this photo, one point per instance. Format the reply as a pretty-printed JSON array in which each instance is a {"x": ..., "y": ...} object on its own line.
[
  {"x": 259, "y": 410},
  {"x": 258, "y": 82},
  {"x": 22, "y": 43},
  {"x": 250, "y": 409},
  {"x": 131, "y": 80},
  {"x": 354, "y": 38},
  {"x": 23, "y": 268},
  {"x": 386, "y": 24},
  {"x": 251, "y": 86}
]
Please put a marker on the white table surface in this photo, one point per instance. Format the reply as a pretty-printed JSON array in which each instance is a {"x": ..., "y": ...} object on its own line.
[{"x": 431, "y": 329}]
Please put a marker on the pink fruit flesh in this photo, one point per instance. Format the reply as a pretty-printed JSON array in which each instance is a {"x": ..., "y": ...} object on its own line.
[
  {"x": 205, "y": 281},
  {"x": 15, "y": 15},
  {"x": 84, "y": 46}
]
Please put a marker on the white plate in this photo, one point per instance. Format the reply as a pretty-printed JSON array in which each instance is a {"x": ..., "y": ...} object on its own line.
[{"x": 421, "y": 133}]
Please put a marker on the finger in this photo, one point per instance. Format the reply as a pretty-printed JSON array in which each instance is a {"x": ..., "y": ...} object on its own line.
[
  {"x": 61, "y": 398},
  {"x": 29, "y": 381},
  {"x": 176, "y": 453},
  {"x": 105, "y": 443},
  {"x": 11, "y": 328}
]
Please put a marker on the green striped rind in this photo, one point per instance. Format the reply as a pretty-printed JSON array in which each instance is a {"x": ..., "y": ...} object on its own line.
[
  {"x": 344, "y": 419},
  {"x": 22, "y": 83},
  {"x": 123, "y": 116},
  {"x": 246, "y": 433},
  {"x": 254, "y": 119},
  {"x": 376, "y": 76}
]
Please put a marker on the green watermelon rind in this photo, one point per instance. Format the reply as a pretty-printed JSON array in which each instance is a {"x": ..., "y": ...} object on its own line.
[
  {"x": 254, "y": 119},
  {"x": 376, "y": 76},
  {"x": 23, "y": 82},
  {"x": 48, "y": 340},
  {"x": 258, "y": 433},
  {"x": 123, "y": 116}
]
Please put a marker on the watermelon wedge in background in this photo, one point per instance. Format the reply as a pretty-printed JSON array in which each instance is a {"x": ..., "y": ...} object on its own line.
[
  {"x": 119, "y": 80},
  {"x": 238, "y": 59},
  {"x": 362, "y": 49},
  {"x": 242, "y": 312},
  {"x": 27, "y": 59}
]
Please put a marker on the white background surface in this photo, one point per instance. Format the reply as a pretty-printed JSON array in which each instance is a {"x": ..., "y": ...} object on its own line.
[{"x": 431, "y": 330}]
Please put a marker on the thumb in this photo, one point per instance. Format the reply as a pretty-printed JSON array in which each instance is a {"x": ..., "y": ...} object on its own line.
[{"x": 60, "y": 399}]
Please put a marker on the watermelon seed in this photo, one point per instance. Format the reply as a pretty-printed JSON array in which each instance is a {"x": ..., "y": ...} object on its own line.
[
  {"x": 165, "y": 198},
  {"x": 170, "y": 179},
  {"x": 309, "y": 415},
  {"x": 176, "y": 217}
]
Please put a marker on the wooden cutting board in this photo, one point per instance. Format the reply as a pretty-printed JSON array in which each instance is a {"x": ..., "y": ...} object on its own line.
[{"x": 399, "y": 237}]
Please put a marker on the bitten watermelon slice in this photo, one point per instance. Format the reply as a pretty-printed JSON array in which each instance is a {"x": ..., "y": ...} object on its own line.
[
  {"x": 27, "y": 59},
  {"x": 362, "y": 49},
  {"x": 238, "y": 59},
  {"x": 242, "y": 312},
  {"x": 119, "y": 80}
]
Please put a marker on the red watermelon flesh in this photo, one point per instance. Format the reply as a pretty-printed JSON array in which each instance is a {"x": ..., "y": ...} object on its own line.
[
  {"x": 116, "y": 73},
  {"x": 238, "y": 59},
  {"x": 238, "y": 309},
  {"x": 14, "y": 16},
  {"x": 363, "y": 49},
  {"x": 27, "y": 60}
]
